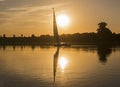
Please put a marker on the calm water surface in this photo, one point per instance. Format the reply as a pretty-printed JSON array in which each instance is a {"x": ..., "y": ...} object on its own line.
[{"x": 77, "y": 66}]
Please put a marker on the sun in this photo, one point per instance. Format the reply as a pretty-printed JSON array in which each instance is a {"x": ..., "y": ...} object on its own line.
[{"x": 63, "y": 20}]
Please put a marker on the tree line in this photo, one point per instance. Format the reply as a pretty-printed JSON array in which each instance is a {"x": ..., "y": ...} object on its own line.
[{"x": 103, "y": 36}]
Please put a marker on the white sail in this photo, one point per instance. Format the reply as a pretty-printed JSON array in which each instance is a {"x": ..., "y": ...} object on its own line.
[{"x": 55, "y": 30}]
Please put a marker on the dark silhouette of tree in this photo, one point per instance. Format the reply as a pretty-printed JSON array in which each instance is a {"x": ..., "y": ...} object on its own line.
[
  {"x": 21, "y": 35},
  {"x": 103, "y": 29},
  {"x": 13, "y": 35},
  {"x": 103, "y": 53},
  {"x": 104, "y": 33},
  {"x": 32, "y": 35},
  {"x": 103, "y": 36},
  {"x": 4, "y": 35}
]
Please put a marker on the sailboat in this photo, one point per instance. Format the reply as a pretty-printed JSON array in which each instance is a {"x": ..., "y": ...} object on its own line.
[{"x": 55, "y": 32}]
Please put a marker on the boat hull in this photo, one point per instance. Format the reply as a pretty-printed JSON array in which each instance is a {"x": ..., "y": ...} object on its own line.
[{"x": 59, "y": 45}]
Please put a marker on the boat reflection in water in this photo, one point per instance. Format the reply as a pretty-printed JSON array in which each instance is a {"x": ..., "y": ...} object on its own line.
[
  {"x": 55, "y": 61},
  {"x": 62, "y": 61},
  {"x": 68, "y": 67}
]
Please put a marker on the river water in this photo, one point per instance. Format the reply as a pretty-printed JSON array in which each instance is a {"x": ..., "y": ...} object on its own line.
[{"x": 48, "y": 66}]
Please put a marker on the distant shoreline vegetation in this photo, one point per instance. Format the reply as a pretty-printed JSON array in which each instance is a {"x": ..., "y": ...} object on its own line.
[{"x": 103, "y": 36}]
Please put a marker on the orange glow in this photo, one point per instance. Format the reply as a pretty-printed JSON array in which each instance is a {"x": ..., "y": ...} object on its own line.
[{"x": 63, "y": 62}]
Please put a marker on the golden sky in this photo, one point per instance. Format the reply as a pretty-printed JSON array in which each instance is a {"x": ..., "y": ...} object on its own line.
[{"x": 35, "y": 16}]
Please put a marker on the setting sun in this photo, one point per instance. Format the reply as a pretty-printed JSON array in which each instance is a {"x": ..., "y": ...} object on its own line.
[{"x": 63, "y": 20}]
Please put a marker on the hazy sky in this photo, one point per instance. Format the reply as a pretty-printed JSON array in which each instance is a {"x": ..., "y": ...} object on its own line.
[{"x": 35, "y": 16}]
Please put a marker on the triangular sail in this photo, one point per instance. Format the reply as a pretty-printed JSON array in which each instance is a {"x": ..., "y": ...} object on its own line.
[{"x": 55, "y": 30}]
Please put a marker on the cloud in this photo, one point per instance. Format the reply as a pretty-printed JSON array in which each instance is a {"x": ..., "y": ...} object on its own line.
[
  {"x": 35, "y": 8},
  {"x": 26, "y": 12},
  {"x": 26, "y": 15},
  {"x": 2, "y": 0}
]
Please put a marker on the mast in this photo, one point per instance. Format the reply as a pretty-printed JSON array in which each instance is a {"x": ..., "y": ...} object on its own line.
[{"x": 55, "y": 30}]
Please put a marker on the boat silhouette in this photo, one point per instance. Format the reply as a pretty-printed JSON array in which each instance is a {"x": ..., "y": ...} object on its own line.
[{"x": 55, "y": 32}]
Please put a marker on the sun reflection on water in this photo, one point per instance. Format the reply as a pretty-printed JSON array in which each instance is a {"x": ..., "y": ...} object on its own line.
[{"x": 63, "y": 63}]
